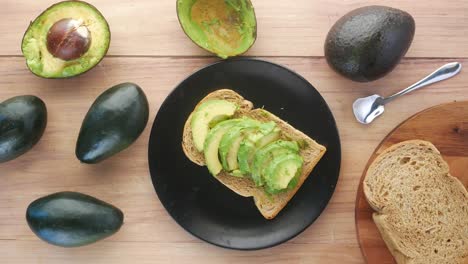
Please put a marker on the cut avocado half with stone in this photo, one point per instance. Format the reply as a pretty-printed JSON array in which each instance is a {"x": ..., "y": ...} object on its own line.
[
  {"x": 230, "y": 143},
  {"x": 67, "y": 39},
  {"x": 206, "y": 116},
  {"x": 266, "y": 154},
  {"x": 250, "y": 145},
  {"x": 282, "y": 172},
  {"x": 211, "y": 147},
  {"x": 226, "y": 28}
]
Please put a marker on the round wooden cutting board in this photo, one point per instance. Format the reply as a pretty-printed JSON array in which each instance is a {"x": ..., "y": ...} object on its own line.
[{"x": 446, "y": 126}]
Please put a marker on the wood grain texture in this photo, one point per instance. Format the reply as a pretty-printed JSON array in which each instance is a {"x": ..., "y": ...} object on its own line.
[
  {"x": 149, "y": 235},
  {"x": 149, "y": 48},
  {"x": 446, "y": 127},
  {"x": 284, "y": 28}
]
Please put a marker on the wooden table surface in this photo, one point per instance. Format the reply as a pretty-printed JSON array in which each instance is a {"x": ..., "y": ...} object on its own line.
[{"x": 149, "y": 48}]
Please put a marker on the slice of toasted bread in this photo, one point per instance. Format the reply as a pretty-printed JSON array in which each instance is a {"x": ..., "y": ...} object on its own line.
[
  {"x": 421, "y": 210},
  {"x": 268, "y": 205}
]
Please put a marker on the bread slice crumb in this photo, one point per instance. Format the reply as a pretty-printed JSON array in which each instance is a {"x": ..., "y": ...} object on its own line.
[{"x": 421, "y": 210}]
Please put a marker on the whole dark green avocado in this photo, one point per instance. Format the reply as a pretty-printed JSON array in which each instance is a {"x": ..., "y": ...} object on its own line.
[
  {"x": 368, "y": 42},
  {"x": 71, "y": 219},
  {"x": 23, "y": 120},
  {"x": 114, "y": 121}
]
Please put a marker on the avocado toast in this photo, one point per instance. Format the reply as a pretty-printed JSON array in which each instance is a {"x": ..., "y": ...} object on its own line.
[{"x": 286, "y": 170}]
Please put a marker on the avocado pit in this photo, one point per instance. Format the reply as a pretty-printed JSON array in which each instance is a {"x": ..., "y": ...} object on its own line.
[{"x": 68, "y": 39}]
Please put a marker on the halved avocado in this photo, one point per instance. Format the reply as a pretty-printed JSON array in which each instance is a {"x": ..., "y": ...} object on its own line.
[
  {"x": 226, "y": 28},
  {"x": 205, "y": 115},
  {"x": 266, "y": 154},
  {"x": 211, "y": 147},
  {"x": 67, "y": 39},
  {"x": 282, "y": 172}
]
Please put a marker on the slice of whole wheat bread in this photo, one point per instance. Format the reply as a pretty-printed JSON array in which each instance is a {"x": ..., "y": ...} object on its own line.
[
  {"x": 421, "y": 210},
  {"x": 268, "y": 205}
]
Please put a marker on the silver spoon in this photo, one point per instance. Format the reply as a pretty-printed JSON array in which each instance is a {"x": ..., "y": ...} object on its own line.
[{"x": 368, "y": 108}]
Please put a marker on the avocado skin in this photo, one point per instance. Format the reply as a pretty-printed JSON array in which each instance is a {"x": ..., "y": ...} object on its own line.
[
  {"x": 114, "y": 121},
  {"x": 71, "y": 219},
  {"x": 368, "y": 42},
  {"x": 23, "y": 120}
]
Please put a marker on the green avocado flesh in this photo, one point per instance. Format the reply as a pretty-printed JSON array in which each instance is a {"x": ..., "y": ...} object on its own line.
[
  {"x": 245, "y": 147},
  {"x": 281, "y": 171},
  {"x": 245, "y": 155},
  {"x": 230, "y": 143},
  {"x": 224, "y": 27},
  {"x": 209, "y": 112},
  {"x": 266, "y": 154},
  {"x": 251, "y": 145},
  {"x": 35, "y": 41},
  {"x": 212, "y": 142}
]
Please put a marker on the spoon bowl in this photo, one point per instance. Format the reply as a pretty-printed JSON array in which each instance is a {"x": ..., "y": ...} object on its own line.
[{"x": 368, "y": 108}]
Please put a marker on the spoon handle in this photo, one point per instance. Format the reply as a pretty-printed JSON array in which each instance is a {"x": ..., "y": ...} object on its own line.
[{"x": 447, "y": 71}]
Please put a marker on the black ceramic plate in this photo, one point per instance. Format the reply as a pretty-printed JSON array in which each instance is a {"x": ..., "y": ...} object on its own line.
[{"x": 205, "y": 207}]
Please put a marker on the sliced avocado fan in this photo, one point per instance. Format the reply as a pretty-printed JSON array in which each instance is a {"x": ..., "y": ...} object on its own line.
[{"x": 245, "y": 147}]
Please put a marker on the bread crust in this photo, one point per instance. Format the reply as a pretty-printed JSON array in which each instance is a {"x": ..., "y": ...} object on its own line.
[{"x": 268, "y": 205}]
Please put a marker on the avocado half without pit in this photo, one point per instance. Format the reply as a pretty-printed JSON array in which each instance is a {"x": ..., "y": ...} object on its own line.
[
  {"x": 67, "y": 39},
  {"x": 226, "y": 28}
]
